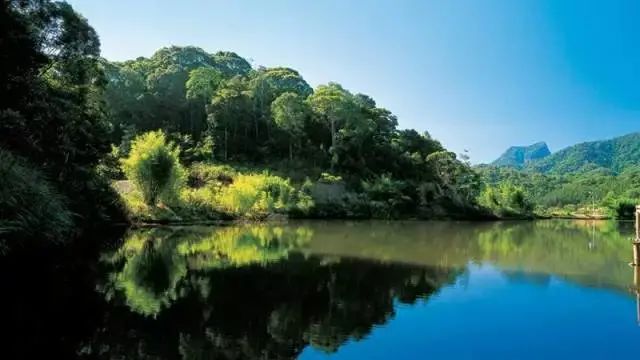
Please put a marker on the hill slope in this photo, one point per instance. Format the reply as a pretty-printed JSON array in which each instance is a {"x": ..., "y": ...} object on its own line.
[
  {"x": 519, "y": 156},
  {"x": 614, "y": 154}
]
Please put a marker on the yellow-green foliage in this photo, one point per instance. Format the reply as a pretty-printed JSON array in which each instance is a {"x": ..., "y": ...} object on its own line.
[
  {"x": 151, "y": 273},
  {"x": 150, "y": 267},
  {"x": 244, "y": 245},
  {"x": 153, "y": 165},
  {"x": 138, "y": 210},
  {"x": 256, "y": 195},
  {"x": 222, "y": 190}
]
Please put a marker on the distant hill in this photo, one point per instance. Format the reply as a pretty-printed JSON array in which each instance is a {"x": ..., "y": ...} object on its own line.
[
  {"x": 519, "y": 156},
  {"x": 614, "y": 155}
]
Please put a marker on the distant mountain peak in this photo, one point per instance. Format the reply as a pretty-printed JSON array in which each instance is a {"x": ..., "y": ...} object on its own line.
[
  {"x": 519, "y": 156},
  {"x": 613, "y": 155}
]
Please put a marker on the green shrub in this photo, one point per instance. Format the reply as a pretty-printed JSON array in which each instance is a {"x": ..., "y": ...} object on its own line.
[
  {"x": 201, "y": 174},
  {"x": 109, "y": 166},
  {"x": 30, "y": 207},
  {"x": 624, "y": 209},
  {"x": 256, "y": 195},
  {"x": 304, "y": 201},
  {"x": 387, "y": 197},
  {"x": 506, "y": 200},
  {"x": 153, "y": 165}
]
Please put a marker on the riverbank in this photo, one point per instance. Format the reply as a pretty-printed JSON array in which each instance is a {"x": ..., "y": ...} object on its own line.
[{"x": 210, "y": 193}]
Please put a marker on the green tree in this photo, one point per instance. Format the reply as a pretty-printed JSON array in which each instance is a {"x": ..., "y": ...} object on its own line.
[
  {"x": 231, "y": 64},
  {"x": 332, "y": 105},
  {"x": 290, "y": 112},
  {"x": 229, "y": 111},
  {"x": 51, "y": 100},
  {"x": 266, "y": 84},
  {"x": 201, "y": 85}
]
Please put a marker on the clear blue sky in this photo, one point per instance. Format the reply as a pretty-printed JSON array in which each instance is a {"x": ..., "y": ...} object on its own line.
[{"x": 477, "y": 74}]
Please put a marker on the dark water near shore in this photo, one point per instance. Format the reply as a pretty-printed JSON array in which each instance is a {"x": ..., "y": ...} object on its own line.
[{"x": 316, "y": 290}]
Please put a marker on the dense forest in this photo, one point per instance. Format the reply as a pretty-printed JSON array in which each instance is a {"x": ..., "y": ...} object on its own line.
[
  {"x": 187, "y": 135},
  {"x": 53, "y": 124},
  {"x": 218, "y": 109},
  {"x": 598, "y": 178}
]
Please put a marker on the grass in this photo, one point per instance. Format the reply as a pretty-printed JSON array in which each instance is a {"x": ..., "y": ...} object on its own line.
[{"x": 31, "y": 208}]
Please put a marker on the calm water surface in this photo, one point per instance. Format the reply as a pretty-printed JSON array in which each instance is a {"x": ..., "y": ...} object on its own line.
[{"x": 344, "y": 290}]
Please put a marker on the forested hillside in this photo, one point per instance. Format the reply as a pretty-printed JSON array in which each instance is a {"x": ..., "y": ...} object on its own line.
[
  {"x": 598, "y": 177},
  {"x": 192, "y": 135},
  {"x": 219, "y": 109},
  {"x": 614, "y": 154},
  {"x": 260, "y": 115}
]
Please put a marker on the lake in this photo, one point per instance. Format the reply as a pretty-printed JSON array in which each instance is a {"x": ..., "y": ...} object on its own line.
[{"x": 333, "y": 290}]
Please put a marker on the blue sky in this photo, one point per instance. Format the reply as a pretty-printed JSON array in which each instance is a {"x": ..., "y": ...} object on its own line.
[{"x": 478, "y": 74}]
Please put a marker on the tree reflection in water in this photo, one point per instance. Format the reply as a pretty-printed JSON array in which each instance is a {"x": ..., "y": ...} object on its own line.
[
  {"x": 246, "y": 292},
  {"x": 269, "y": 291}
]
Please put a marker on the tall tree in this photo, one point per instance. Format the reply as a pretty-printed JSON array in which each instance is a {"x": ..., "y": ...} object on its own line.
[
  {"x": 229, "y": 110},
  {"x": 51, "y": 105},
  {"x": 332, "y": 105},
  {"x": 269, "y": 83},
  {"x": 289, "y": 113},
  {"x": 201, "y": 86},
  {"x": 51, "y": 96}
]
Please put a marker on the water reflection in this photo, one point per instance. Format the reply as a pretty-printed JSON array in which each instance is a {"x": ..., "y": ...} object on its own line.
[
  {"x": 590, "y": 253},
  {"x": 248, "y": 292},
  {"x": 151, "y": 266},
  {"x": 297, "y": 289}
]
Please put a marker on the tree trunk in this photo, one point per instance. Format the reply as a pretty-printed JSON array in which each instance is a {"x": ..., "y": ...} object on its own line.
[
  {"x": 333, "y": 133},
  {"x": 226, "y": 144},
  {"x": 290, "y": 149},
  {"x": 256, "y": 120},
  {"x": 332, "y": 149}
]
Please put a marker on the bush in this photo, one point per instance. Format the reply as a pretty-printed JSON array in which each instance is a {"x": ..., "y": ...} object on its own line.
[
  {"x": 109, "y": 166},
  {"x": 206, "y": 174},
  {"x": 624, "y": 209},
  {"x": 506, "y": 200},
  {"x": 154, "y": 167},
  {"x": 30, "y": 207},
  {"x": 387, "y": 197},
  {"x": 256, "y": 195}
]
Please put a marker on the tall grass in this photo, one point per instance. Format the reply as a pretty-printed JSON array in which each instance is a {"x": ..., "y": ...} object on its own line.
[
  {"x": 153, "y": 165},
  {"x": 30, "y": 207}
]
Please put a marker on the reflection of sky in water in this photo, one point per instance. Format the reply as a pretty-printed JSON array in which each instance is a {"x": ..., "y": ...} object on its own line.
[{"x": 488, "y": 314}]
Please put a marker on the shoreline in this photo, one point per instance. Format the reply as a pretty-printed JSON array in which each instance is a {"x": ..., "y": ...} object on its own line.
[{"x": 280, "y": 220}]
